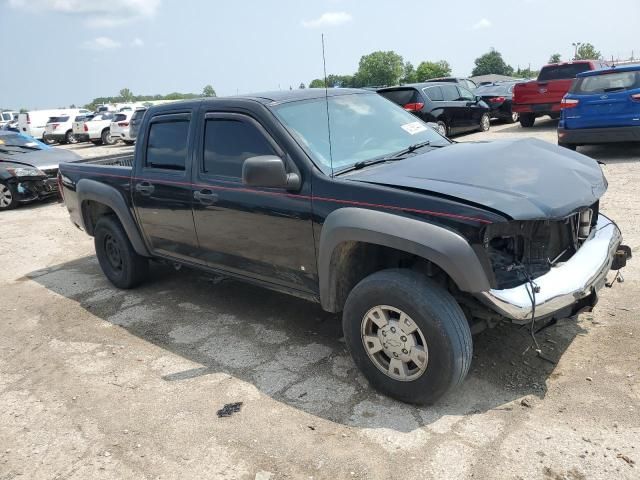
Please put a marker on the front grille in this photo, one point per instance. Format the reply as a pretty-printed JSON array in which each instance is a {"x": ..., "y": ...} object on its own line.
[{"x": 51, "y": 172}]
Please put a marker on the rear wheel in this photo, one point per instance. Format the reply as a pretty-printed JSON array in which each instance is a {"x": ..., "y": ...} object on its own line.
[
  {"x": 527, "y": 120},
  {"x": 8, "y": 196},
  {"x": 407, "y": 335},
  {"x": 443, "y": 129},
  {"x": 119, "y": 261},
  {"x": 69, "y": 137},
  {"x": 485, "y": 123}
]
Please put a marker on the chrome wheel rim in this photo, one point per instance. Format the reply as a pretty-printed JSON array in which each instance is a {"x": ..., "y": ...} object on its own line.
[
  {"x": 6, "y": 197},
  {"x": 442, "y": 130},
  {"x": 515, "y": 116},
  {"x": 485, "y": 122},
  {"x": 71, "y": 138},
  {"x": 394, "y": 343}
]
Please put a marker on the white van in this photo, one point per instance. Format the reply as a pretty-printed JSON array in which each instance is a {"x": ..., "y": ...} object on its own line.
[
  {"x": 6, "y": 117},
  {"x": 34, "y": 122}
]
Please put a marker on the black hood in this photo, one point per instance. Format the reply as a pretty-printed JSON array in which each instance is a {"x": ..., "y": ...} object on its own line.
[
  {"x": 43, "y": 159},
  {"x": 524, "y": 179}
]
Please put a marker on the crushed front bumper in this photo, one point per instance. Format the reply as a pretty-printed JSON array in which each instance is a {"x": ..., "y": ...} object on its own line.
[
  {"x": 32, "y": 190},
  {"x": 567, "y": 287}
]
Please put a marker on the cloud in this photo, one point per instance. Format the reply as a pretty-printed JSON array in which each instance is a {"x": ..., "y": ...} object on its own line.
[
  {"x": 101, "y": 43},
  {"x": 328, "y": 19},
  {"x": 95, "y": 13},
  {"x": 137, "y": 42},
  {"x": 482, "y": 23}
]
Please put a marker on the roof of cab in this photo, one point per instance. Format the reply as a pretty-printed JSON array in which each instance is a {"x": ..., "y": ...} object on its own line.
[{"x": 624, "y": 68}]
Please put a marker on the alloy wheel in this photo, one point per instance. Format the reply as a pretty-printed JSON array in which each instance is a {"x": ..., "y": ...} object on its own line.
[
  {"x": 394, "y": 343},
  {"x": 6, "y": 196},
  {"x": 485, "y": 123}
]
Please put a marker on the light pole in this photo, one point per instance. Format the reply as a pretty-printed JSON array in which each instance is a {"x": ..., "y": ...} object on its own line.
[{"x": 575, "y": 46}]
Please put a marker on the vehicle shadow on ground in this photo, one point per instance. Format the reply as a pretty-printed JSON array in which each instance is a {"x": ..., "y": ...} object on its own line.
[{"x": 292, "y": 350}]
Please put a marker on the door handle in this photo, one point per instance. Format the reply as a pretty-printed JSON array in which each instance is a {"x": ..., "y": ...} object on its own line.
[
  {"x": 206, "y": 197},
  {"x": 144, "y": 188}
]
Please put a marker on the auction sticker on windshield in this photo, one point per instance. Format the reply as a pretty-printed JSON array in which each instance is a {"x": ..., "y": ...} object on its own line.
[{"x": 413, "y": 128}]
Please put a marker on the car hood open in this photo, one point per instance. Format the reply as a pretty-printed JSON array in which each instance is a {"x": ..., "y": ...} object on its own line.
[{"x": 523, "y": 179}]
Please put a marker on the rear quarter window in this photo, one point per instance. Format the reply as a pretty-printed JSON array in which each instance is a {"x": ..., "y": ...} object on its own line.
[
  {"x": 433, "y": 93},
  {"x": 608, "y": 82},
  {"x": 402, "y": 96},
  {"x": 562, "y": 72},
  {"x": 119, "y": 117}
]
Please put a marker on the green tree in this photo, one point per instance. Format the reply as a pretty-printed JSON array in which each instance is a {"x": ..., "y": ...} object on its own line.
[
  {"x": 380, "y": 68},
  {"x": 409, "y": 73},
  {"x": 302, "y": 86},
  {"x": 208, "y": 91},
  {"x": 427, "y": 70},
  {"x": 317, "y": 83},
  {"x": 586, "y": 51},
  {"x": 126, "y": 95},
  {"x": 555, "y": 58},
  {"x": 491, "y": 62}
]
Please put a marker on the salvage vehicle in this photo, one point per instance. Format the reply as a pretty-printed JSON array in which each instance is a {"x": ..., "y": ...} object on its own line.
[
  {"x": 602, "y": 106},
  {"x": 454, "y": 108},
  {"x": 343, "y": 198},
  {"x": 34, "y": 122},
  {"x": 499, "y": 96},
  {"x": 543, "y": 96},
  {"x": 97, "y": 130},
  {"x": 60, "y": 129},
  {"x": 28, "y": 169}
]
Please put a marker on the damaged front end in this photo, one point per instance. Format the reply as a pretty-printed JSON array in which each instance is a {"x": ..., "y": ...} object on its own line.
[
  {"x": 551, "y": 268},
  {"x": 33, "y": 184}
]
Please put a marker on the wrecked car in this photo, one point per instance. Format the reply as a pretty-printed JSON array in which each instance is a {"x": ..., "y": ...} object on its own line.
[{"x": 343, "y": 198}]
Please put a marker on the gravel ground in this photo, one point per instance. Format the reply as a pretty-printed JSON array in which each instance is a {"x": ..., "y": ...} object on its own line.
[{"x": 106, "y": 384}]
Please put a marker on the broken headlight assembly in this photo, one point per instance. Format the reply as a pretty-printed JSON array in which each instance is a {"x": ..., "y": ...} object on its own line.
[{"x": 26, "y": 172}]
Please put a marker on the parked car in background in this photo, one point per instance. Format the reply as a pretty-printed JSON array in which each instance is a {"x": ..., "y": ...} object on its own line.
[
  {"x": 97, "y": 130},
  {"x": 453, "y": 107},
  {"x": 78, "y": 126},
  {"x": 498, "y": 96},
  {"x": 136, "y": 120},
  {"x": 7, "y": 116},
  {"x": 602, "y": 106},
  {"x": 28, "y": 169},
  {"x": 12, "y": 126},
  {"x": 34, "y": 122},
  {"x": 464, "y": 82},
  {"x": 60, "y": 129},
  {"x": 542, "y": 96},
  {"x": 120, "y": 127}
]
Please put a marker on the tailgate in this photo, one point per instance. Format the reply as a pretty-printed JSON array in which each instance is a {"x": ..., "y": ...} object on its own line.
[
  {"x": 78, "y": 128},
  {"x": 546, "y": 93}
]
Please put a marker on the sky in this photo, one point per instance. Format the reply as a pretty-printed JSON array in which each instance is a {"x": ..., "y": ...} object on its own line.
[{"x": 59, "y": 52}]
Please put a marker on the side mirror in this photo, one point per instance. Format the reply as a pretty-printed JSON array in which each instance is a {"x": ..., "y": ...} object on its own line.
[{"x": 268, "y": 171}]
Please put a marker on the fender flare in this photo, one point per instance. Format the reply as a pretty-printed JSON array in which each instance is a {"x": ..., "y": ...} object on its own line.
[
  {"x": 445, "y": 248},
  {"x": 98, "y": 192}
]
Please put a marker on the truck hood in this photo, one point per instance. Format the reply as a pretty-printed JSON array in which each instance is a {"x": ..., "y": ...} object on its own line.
[
  {"x": 524, "y": 179},
  {"x": 45, "y": 159}
]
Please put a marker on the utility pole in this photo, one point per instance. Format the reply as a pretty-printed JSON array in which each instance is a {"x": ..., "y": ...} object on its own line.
[{"x": 575, "y": 46}]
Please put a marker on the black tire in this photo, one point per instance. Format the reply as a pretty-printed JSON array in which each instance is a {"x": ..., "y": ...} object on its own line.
[
  {"x": 119, "y": 261},
  {"x": 527, "y": 120},
  {"x": 569, "y": 146},
  {"x": 443, "y": 128},
  {"x": 70, "y": 138},
  {"x": 129, "y": 142},
  {"x": 106, "y": 137},
  {"x": 485, "y": 123},
  {"x": 8, "y": 196},
  {"x": 437, "y": 315}
]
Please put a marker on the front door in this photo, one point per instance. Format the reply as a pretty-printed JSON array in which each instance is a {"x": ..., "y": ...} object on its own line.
[
  {"x": 262, "y": 233},
  {"x": 161, "y": 186}
]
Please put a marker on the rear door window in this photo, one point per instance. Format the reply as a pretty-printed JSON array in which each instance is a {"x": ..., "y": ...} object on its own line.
[
  {"x": 434, "y": 94},
  {"x": 402, "y": 96},
  {"x": 58, "y": 119},
  {"x": 450, "y": 93},
  {"x": 167, "y": 144},
  {"x": 466, "y": 94},
  {"x": 562, "y": 72},
  {"x": 608, "y": 82}
]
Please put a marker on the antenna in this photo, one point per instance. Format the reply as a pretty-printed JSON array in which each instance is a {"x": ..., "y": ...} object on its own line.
[{"x": 326, "y": 100}]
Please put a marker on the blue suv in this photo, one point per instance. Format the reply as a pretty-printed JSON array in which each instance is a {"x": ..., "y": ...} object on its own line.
[{"x": 602, "y": 106}]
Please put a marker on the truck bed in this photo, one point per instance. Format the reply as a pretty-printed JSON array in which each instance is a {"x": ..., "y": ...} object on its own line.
[{"x": 116, "y": 160}]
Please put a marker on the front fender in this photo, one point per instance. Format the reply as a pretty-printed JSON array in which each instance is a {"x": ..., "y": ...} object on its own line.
[{"x": 446, "y": 249}]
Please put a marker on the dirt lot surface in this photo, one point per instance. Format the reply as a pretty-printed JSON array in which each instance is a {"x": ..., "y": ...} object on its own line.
[{"x": 97, "y": 383}]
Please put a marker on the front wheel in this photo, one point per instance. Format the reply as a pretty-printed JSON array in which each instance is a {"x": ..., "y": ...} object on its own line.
[
  {"x": 119, "y": 261},
  {"x": 527, "y": 120},
  {"x": 8, "y": 196},
  {"x": 485, "y": 123},
  {"x": 407, "y": 335},
  {"x": 106, "y": 137},
  {"x": 70, "y": 137},
  {"x": 513, "y": 118},
  {"x": 443, "y": 129}
]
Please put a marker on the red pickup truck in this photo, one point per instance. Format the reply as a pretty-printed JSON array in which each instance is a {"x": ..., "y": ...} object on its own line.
[{"x": 543, "y": 96}]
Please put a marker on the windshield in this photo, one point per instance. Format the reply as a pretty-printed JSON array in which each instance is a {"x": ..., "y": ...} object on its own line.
[
  {"x": 495, "y": 89},
  {"x": 607, "y": 82},
  {"x": 363, "y": 127}
]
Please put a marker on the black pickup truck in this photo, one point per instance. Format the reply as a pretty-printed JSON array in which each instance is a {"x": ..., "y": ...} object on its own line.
[{"x": 343, "y": 198}]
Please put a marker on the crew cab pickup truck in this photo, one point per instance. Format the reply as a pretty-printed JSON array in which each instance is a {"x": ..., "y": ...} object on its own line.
[
  {"x": 350, "y": 201},
  {"x": 543, "y": 96}
]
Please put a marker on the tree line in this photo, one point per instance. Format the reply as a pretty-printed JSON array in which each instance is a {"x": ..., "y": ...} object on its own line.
[
  {"x": 389, "y": 68},
  {"x": 127, "y": 96}
]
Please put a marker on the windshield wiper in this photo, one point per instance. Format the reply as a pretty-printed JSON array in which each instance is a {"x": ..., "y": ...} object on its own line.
[{"x": 405, "y": 151}]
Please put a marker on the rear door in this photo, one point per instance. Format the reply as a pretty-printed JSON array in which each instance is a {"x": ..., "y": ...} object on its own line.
[
  {"x": 455, "y": 108},
  {"x": 605, "y": 100},
  {"x": 262, "y": 233},
  {"x": 161, "y": 185}
]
